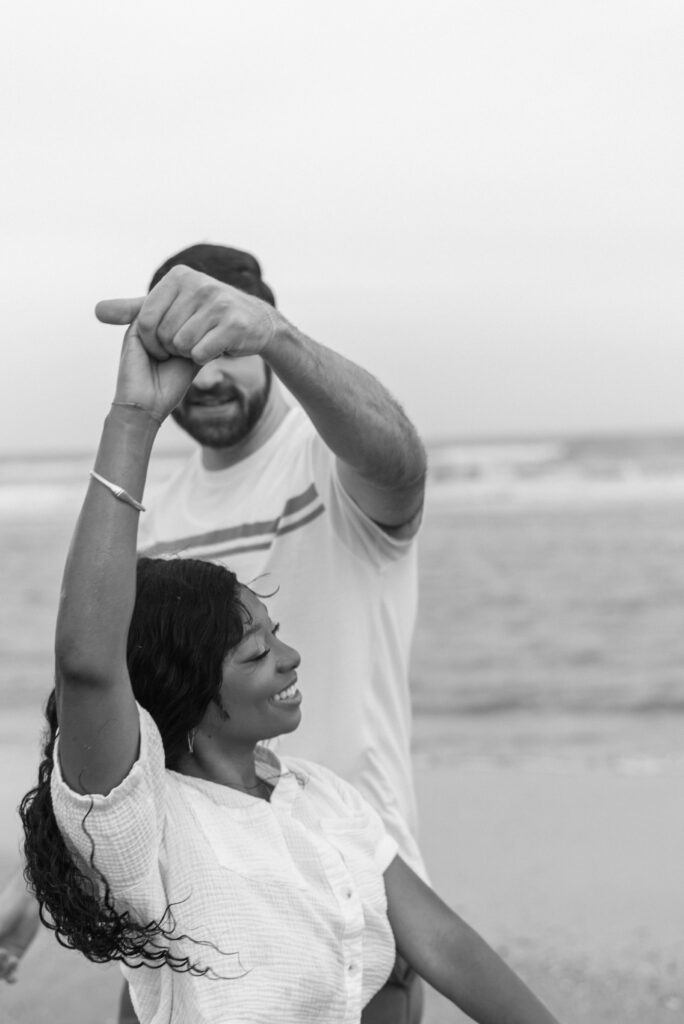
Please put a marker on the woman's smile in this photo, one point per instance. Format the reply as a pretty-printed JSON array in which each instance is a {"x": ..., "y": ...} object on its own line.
[{"x": 289, "y": 695}]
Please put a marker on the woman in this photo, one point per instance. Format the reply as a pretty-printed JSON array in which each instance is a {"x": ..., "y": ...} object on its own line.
[{"x": 230, "y": 885}]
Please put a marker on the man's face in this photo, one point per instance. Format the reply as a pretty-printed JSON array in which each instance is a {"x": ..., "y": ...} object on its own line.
[{"x": 225, "y": 401}]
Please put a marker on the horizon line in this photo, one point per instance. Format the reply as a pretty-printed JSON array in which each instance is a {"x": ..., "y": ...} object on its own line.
[{"x": 435, "y": 440}]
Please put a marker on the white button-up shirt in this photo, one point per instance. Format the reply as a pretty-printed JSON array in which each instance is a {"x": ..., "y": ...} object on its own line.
[{"x": 284, "y": 900}]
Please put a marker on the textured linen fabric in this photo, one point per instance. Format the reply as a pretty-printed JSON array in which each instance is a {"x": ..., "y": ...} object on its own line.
[
  {"x": 288, "y": 894},
  {"x": 343, "y": 589}
]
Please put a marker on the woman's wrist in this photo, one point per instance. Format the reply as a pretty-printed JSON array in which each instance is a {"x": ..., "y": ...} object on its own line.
[
  {"x": 137, "y": 407},
  {"x": 133, "y": 421},
  {"x": 127, "y": 429}
]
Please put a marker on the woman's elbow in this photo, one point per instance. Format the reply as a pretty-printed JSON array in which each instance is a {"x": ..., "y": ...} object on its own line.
[{"x": 79, "y": 667}]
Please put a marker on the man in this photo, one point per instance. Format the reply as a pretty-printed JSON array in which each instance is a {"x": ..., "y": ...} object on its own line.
[{"x": 317, "y": 505}]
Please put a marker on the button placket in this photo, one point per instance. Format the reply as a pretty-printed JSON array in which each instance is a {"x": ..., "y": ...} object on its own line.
[
  {"x": 351, "y": 907},
  {"x": 353, "y": 975}
]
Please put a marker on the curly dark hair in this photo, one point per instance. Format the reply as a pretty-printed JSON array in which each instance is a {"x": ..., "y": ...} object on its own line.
[{"x": 188, "y": 614}]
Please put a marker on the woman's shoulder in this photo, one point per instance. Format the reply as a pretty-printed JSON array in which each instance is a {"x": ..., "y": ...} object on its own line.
[
  {"x": 324, "y": 783},
  {"x": 307, "y": 770}
]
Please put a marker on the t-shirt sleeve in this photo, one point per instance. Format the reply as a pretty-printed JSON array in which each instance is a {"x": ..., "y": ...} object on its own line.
[
  {"x": 118, "y": 834},
  {"x": 382, "y": 844},
  {"x": 355, "y": 529}
]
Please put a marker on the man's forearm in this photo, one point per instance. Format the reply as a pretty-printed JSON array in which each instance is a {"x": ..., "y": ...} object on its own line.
[
  {"x": 353, "y": 412},
  {"x": 19, "y": 921}
]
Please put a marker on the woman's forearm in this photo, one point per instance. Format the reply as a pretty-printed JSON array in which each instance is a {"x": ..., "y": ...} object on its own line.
[
  {"x": 452, "y": 957},
  {"x": 98, "y": 718},
  {"x": 98, "y": 587},
  {"x": 481, "y": 984}
]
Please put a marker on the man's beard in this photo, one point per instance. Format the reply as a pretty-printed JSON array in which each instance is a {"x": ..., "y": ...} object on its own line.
[{"x": 224, "y": 431}]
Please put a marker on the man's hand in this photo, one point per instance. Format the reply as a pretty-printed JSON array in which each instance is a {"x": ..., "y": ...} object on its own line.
[
  {"x": 19, "y": 922},
  {"x": 381, "y": 459},
  {"x": 193, "y": 315}
]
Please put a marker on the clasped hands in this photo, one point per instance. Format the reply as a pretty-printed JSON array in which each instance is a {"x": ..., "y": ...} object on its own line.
[{"x": 192, "y": 315}]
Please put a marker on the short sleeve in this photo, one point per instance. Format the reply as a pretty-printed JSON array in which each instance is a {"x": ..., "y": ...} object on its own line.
[
  {"x": 118, "y": 834},
  {"x": 356, "y": 530},
  {"x": 382, "y": 846},
  {"x": 349, "y": 815}
]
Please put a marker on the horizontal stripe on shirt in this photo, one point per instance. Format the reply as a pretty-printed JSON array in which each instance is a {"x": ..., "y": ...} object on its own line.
[{"x": 230, "y": 540}]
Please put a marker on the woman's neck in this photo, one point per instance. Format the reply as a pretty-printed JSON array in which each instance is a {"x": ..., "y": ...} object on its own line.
[{"x": 235, "y": 768}]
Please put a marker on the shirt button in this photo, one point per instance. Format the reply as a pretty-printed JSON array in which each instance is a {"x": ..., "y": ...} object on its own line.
[
  {"x": 349, "y": 894},
  {"x": 350, "y": 967}
]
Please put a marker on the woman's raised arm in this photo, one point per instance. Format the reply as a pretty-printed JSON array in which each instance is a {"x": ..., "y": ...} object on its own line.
[
  {"x": 97, "y": 714},
  {"x": 452, "y": 957}
]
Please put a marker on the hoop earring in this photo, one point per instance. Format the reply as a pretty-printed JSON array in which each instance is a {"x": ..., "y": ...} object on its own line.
[{"x": 191, "y": 740}]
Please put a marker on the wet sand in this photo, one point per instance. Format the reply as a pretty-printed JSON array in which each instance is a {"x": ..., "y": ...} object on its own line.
[{"x": 575, "y": 878}]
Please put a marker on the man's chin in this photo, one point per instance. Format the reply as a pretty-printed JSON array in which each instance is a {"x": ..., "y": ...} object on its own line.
[
  {"x": 225, "y": 424},
  {"x": 213, "y": 431}
]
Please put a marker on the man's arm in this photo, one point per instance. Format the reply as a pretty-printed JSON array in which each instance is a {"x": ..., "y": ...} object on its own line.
[
  {"x": 382, "y": 462},
  {"x": 19, "y": 922},
  {"x": 381, "y": 459}
]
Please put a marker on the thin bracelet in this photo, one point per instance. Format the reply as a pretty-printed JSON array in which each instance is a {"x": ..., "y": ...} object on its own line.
[
  {"x": 117, "y": 491},
  {"x": 137, "y": 405}
]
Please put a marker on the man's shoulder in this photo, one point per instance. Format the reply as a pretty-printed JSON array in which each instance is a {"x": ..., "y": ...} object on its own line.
[{"x": 296, "y": 428}]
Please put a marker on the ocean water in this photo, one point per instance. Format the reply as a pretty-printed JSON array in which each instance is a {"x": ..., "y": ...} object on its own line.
[{"x": 551, "y": 623}]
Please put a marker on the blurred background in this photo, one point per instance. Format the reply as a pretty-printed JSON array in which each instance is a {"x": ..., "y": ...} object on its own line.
[{"x": 481, "y": 203}]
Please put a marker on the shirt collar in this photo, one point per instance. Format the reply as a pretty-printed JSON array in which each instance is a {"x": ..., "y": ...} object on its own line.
[{"x": 269, "y": 767}]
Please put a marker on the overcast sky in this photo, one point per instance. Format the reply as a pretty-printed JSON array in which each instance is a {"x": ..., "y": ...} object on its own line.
[{"x": 479, "y": 201}]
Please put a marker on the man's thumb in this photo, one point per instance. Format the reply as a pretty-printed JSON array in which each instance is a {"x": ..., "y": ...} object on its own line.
[{"x": 118, "y": 311}]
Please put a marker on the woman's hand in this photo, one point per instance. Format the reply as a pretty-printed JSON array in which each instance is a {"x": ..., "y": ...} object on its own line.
[{"x": 149, "y": 383}]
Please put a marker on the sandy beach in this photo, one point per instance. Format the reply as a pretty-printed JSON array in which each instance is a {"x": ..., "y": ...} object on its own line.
[{"x": 575, "y": 876}]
